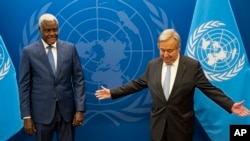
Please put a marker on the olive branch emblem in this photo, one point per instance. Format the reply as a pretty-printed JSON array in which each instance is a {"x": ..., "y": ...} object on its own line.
[
  {"x": 198, "y": 32},
  {"x": 158, "y": 16},
  {"x": 30, "y": 32},
  {"x": 116, "y": 115},
  {"x": 5, "y": 69}
]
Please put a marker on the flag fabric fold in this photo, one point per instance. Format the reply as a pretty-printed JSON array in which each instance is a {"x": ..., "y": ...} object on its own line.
[
  {"x": 215, "y": 41},
  {"x": 10, "y": 119}
]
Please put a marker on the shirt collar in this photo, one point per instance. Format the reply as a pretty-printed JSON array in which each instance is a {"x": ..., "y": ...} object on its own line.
[
  {"x": 176, "y": 62},
  {"x": 45, "y": 45}
]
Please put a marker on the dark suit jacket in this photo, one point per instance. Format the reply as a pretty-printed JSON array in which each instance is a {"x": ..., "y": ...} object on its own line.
[
  {"x": 178, "y": 112},
  {"x": 39, "y": 87}
]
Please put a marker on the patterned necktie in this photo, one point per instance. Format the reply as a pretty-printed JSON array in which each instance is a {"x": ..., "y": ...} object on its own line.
[
  {"x": 166, "y": 86},
  {"x": 51, "y": 58}
]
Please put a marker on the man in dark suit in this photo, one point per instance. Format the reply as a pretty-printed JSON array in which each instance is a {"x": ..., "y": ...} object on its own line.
[
  {"x": 52, "y": 96},
  {"x": 172, "y": 114}
]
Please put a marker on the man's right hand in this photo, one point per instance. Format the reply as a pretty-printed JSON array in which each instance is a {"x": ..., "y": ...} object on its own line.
[
  {"x": 29, "y": 126},
  {"x": 104, "y": 93}
]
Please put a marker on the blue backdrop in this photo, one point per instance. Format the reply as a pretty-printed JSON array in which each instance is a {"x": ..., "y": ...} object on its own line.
[{"x": 115, "y": 40}]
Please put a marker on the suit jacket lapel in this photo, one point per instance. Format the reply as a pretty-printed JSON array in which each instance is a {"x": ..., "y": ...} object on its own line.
[
  {"x": 179, "y": 76},
  {"x": 44, "y": 58},
  {"x": 60, "y": 54},
  {"x": 158, "y": 72}
]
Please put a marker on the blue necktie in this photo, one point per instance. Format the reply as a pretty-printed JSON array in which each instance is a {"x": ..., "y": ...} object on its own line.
[
  {"x": 51, "y": 58},
  {"x": 166, "y": 86}
]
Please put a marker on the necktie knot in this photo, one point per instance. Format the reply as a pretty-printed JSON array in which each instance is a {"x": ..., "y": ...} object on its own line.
[
  {"x": 169, "y": 67},
  {"x": 50, "y": 47}
]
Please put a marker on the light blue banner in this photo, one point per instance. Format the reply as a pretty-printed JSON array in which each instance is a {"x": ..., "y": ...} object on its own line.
[
  {"x": 10, "y": 119},
  {"x": 215, "y": 41}
]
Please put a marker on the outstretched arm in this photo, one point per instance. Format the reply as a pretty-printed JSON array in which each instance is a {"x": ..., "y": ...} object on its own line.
[
  {"x": 239, "y": 109},
  {"x": 103, "y": 93}
]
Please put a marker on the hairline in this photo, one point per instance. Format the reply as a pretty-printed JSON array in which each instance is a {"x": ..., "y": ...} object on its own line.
[
  {"x": 47, "y": 17},
  {"x": 169, "y": 34}
]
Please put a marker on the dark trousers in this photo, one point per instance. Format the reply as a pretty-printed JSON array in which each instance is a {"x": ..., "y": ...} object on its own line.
[{"x": 64, "y": 130}]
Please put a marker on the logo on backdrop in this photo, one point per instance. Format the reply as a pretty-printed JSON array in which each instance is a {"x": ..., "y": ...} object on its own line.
[
  {"x": 114, "y": 42},
  {"x": 4, "y": 62},
  {"x": 218, "y": 49}
]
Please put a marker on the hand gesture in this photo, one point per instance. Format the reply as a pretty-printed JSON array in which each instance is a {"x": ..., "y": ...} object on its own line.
[
  {"x": 103, "y": 93},
  {"x": 239, "y": 109}
]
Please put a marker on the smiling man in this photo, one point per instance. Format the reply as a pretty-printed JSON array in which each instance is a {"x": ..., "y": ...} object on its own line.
[{"x": 51, "y": 85}]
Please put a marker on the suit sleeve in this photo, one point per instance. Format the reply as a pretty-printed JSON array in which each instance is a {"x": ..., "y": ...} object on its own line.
[
  {"x": 78, "y": 82},
  {"x": 214, "y": 93},
  {"x": 24, "y": 83},
  {"x": 131, "y": 87}
]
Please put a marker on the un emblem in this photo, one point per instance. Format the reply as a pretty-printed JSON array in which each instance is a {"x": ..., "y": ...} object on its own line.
[
  {"x": 114, "y": 41},
  {"x": 218, "y": 50},
  {"x": 4, "y": 62}
]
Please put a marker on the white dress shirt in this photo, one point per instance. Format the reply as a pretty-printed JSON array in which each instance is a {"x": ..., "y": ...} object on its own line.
[
  {"x": 54, "y": 51},
  {"x": 173, "y": 73}
]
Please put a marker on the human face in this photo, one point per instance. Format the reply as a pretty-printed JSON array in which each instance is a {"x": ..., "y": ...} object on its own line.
[
  {"x": 169, "y": 50},
  {"x": 49, "y": 31}
]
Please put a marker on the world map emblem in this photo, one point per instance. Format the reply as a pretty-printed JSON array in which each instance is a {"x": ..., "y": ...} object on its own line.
[
  {"x": 111, "y": 38},
  {"x": 217, "y": 49}
]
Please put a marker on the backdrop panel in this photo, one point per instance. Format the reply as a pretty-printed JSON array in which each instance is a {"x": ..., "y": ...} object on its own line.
[{"x": 115, "y": 40}]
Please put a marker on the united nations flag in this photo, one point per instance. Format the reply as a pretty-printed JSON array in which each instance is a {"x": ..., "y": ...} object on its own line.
[
  {"x": 10, "y": 119},
  {"x": 215, "y": 41}
]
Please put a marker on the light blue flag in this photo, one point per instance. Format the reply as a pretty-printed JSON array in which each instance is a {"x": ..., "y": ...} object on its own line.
[
  {"x": 10, "y": 119},
  {"x": 215, "y": 41}
]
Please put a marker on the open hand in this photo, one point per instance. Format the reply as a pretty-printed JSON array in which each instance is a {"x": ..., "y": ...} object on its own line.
[
  {"x": 239, "y": 109},
  {"x": 103, "y": 93}
]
